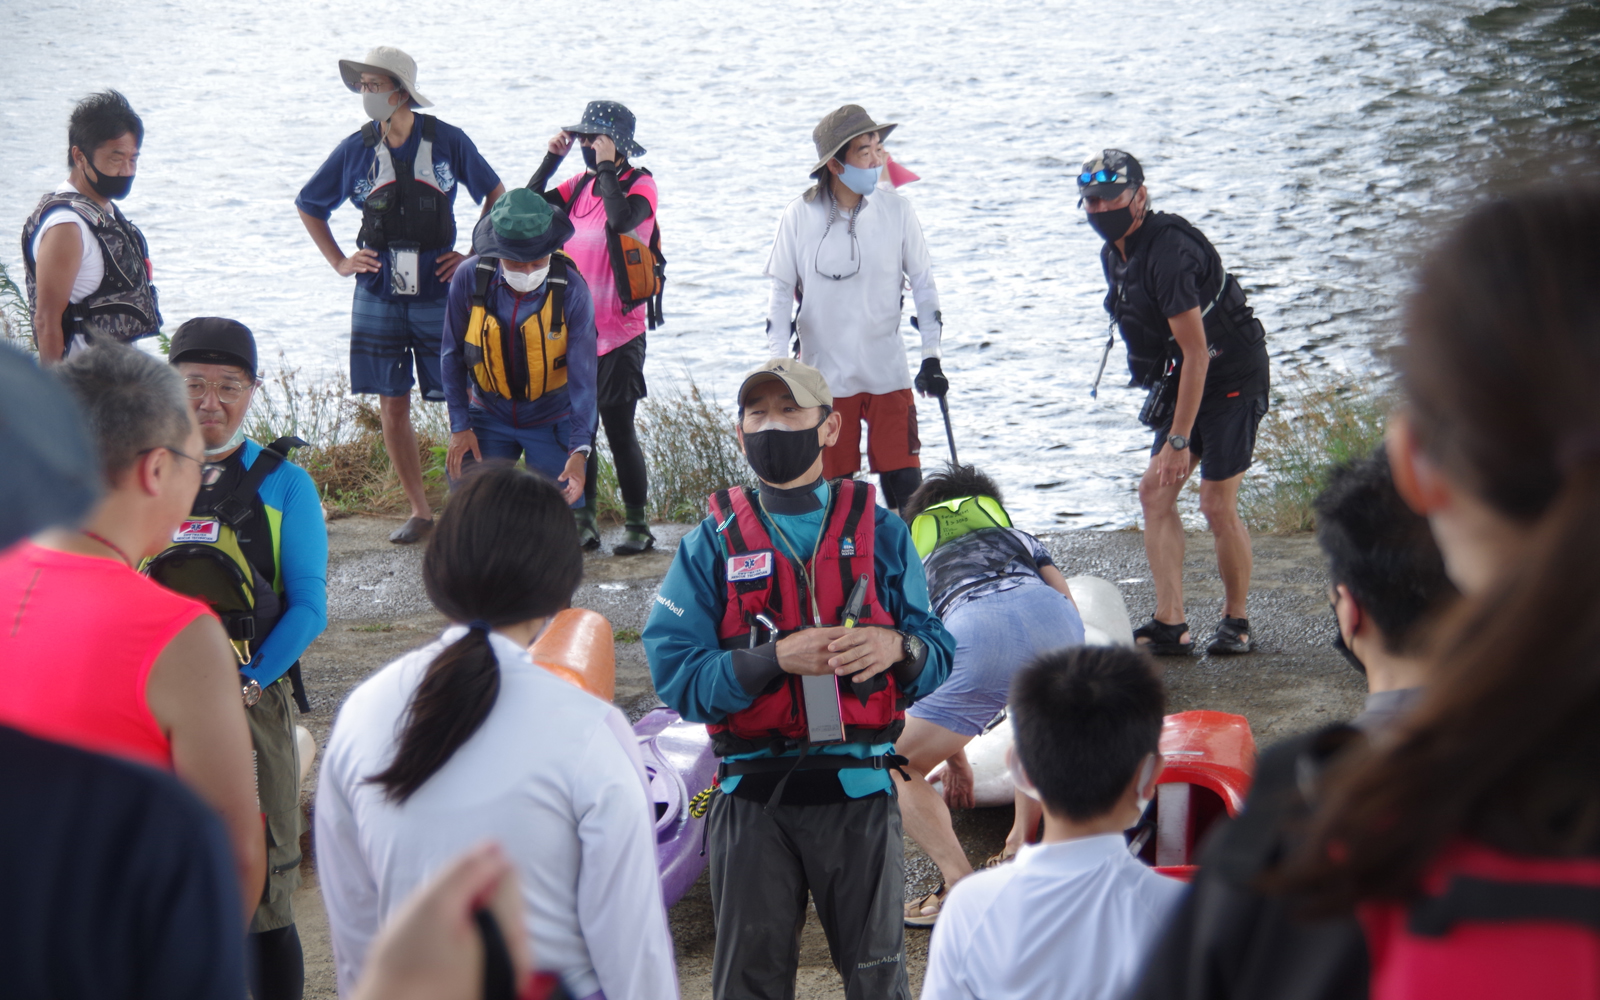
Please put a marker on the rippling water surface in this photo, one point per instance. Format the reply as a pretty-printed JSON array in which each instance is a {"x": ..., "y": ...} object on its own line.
[{"x": 1317, "y": 144}]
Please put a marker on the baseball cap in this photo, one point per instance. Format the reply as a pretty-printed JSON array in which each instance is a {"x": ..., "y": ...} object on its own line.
[
  {"x": 213, "y": 340},
  {"x": 805, "y": 383},
  {"x": 1109, "y": 175}
]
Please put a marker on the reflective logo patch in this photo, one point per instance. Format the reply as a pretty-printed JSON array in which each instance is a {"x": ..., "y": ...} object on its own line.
[
  {"x": 847, "y": 547},
  {"x": 750, "y": 566},
  {"x": 205, "y": 529}
]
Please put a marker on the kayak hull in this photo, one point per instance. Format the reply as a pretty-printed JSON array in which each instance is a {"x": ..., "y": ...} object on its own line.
[{"x": 678, "y": 759}]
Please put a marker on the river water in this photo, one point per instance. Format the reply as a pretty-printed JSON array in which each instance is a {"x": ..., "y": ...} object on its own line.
[{"x": 1317, "y": 144}]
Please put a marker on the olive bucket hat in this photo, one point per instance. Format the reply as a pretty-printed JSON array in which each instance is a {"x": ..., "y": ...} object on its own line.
[
  {"x": 521, "y": 226},
  {"x": 839, "y": 127},
  {"x": 389, "y": 61},
  {"x": 609, "y": 118}
]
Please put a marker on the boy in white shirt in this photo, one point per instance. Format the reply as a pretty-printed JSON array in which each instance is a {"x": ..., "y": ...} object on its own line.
[{"x": 1071, "y": 916}]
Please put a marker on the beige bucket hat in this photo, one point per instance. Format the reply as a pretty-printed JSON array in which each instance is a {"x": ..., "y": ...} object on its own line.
[
  {"x": 840, "y": 126},
  {"x": 390, "y": 61}
]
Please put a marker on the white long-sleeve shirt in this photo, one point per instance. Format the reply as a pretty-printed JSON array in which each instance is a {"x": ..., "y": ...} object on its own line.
[
  {"x": 1071, "y": 920},
  {"x": 553, "y": 775},
  {"x": 850, "y": 326}
]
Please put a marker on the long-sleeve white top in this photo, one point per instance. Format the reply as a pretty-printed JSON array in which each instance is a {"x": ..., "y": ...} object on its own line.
[
  {"x": 849, "y": 325},
  {"x": 553, "y": 775}
]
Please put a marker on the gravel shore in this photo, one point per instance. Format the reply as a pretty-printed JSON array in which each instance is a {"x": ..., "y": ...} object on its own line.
[{"x": 377, "y": 610}]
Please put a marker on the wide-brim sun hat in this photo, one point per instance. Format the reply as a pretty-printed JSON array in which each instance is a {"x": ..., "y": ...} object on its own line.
[
  {"x": 390, "y": 61},
  {"x": 521, "y": 227},
  {"x": 609, "y": 118},
  {"x": 840, "y": 126}
]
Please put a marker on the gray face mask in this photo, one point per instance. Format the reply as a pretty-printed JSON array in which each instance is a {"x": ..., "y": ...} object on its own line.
[{"x": 377, "y": 106}]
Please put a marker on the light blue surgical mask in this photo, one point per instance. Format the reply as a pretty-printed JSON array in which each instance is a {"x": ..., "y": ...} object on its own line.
[{"x": 861, "y": 180}]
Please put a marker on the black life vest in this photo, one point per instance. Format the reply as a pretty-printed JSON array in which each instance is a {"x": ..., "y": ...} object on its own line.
[
  {"x": 639, "y": 270},
  {"x": 760, "y": 580},
  {"x": 406, "y": 206},
  {"x": 1233, "y": 335},
  {"x": 518, "y": 363},
  {"x": 124, "y": 307}
]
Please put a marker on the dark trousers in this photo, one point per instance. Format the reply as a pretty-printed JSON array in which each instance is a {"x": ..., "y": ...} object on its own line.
[{"x": 848, "y": 855}]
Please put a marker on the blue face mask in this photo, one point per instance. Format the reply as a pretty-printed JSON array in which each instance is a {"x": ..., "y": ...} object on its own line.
[{"x": 861, "y": 180}]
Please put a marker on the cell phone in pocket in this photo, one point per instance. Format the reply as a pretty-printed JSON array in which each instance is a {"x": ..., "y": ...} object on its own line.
[
  {"x": 824, "y": 719},
  {"x": 404, "y": 270}
]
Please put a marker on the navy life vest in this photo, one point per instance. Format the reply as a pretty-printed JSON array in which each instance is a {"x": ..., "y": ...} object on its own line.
[
  {"x": 1232, "y": 331},
  {"x": 406, "y": 205},
  {"x": 761, "y": 580},
  {"x": 124, "y": 307}
]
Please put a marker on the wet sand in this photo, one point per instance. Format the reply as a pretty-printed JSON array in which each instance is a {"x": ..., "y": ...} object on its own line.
[{"x": 1295, "y": 681}]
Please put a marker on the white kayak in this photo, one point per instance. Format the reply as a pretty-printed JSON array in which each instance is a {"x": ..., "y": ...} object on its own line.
[{"x": 1105, "y": 623}]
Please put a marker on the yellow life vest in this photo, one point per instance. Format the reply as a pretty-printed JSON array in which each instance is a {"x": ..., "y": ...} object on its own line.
[{"x": 525, "y": 363}]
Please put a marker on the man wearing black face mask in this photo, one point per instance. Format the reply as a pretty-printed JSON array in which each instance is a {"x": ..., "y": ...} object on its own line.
[
  {"x": 88, "y": 267},
  {"x": 1195, "y": 344},
  {"x": 749, "y": 635}
]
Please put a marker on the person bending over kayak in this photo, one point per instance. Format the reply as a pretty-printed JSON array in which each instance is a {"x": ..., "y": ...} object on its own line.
[
  {"x": 747, "y": 636},
  {"x": 519, "y": 360},
  {"x": 466, "y": 740},
  {"x": 1194, "y": 342},
  {"x": 612, "y": 206},
  {"x": 1003, "y": 599}
]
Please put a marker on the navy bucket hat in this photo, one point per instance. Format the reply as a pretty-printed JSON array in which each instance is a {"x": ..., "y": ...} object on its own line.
[
  {"x": 521, "y": 226},
  {"x": 609, "y": 118}
]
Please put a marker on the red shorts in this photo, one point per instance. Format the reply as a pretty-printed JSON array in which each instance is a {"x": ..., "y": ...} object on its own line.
[{"x": 892, "y": 441}]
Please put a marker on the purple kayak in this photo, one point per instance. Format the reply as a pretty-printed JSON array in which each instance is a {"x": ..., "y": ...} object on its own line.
[{"x": 678, "y": 758}]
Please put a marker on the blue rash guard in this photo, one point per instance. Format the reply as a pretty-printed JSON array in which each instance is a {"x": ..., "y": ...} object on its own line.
[
  {"x": 695, "y": 676},
  {"x": 577, "y": 397},
  {"x": 294, "y": 510}
]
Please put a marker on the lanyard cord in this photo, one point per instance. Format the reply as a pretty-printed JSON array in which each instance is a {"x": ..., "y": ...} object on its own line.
[{"x": 794, "y": 555}]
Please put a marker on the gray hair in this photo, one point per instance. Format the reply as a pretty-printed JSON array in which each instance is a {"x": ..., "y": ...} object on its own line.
[{"x": 131, "y": 402}]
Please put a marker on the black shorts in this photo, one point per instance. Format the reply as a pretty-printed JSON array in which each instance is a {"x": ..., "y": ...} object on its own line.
[
  {"x": 1224, "y": 435},
  {"x": 619, "y": 379}
]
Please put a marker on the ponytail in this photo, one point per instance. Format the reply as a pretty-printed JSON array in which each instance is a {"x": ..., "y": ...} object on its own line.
[{"x": 453, "y": 700}]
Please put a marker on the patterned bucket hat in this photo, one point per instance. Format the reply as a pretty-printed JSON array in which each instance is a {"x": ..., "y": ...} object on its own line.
[{"x": 609, "y": 118}]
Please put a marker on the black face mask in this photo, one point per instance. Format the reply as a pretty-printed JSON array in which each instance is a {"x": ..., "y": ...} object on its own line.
[
  {"x": 1113, "y": 223},
  {"x": 1344, "y": 649},
  {"x": 107, "y": 186},
  {"x": 780, "y": 456},
  {"x": 588, "y": 157}
]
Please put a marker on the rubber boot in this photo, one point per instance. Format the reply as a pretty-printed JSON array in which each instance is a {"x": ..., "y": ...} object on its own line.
[
  {"x": 636, "y": 537},
  {"x": 588, "y": 534}
]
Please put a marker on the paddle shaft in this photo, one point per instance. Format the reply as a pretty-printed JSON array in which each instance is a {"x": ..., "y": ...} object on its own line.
[{"x": 949, "y": 433}]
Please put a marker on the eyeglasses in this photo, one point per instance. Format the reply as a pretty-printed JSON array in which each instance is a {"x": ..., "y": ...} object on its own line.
[
  {"x": 228, "y": 392},
  {"x": 210, "y": 472},
  {"x": 1099, "y": 177},
  {"x": 376, "y": 86},
  {"x": 855, "y": 244}
]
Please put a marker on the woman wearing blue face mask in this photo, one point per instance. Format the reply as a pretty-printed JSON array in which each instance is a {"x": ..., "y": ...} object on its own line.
[{"x": 844, "y": 251}]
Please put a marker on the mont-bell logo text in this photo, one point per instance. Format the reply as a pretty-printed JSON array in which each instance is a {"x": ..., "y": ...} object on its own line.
[{"x": 749, "y": 566}]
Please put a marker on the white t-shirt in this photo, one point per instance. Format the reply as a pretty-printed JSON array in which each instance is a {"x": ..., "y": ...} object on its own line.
[
  {"x": 850, "y": 326},
  {"x": 553, "y": 775},
  {"x": 1066, "y": 921},
  {"x": 91, "y": 265}
]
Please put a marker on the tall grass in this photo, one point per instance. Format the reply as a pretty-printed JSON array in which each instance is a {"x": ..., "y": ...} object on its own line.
[
  {"x": 16, "y": 322},
  {"x": 690, "y": 449},
  {"x": 1312, "y": 427}
]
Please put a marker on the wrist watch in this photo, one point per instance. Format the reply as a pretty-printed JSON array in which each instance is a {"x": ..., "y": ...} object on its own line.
[
  {"x": 912, "y": 646},
  {"x": 1178, "y": 441},
  {"x": 250, "y": 689}
]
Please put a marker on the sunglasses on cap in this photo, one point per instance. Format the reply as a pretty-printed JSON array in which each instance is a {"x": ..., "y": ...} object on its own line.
[{"x": 1099, "y": 177}]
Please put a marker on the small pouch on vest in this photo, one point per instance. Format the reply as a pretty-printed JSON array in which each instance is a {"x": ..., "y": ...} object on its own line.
[
  {"x": 1161, "y": 402},
  {"x": 404, "y": 271}
]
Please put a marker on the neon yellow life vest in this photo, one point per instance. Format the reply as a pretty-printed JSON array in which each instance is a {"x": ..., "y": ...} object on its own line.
[
  {"x": 519, "y": 364},
  {"x": 953, "y": 518}
]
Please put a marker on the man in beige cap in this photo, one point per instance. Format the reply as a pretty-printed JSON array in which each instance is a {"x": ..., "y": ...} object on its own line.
[
  {"x": 402, "y": 170},
  {"x": 794, "y": 622},
  {"x": 845, "y": 250}
]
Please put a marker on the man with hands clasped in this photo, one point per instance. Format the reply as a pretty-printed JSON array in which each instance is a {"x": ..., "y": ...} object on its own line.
[{"x": 758, "y": 606}]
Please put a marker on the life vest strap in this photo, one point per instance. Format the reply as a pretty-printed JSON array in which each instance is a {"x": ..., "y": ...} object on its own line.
[
  {"x": 238, "y": 505},
  {"x": 1474, "y": 899}
]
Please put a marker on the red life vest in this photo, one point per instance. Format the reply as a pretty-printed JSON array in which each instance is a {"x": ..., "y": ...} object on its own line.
[
  {"x": 761, "y": 579},
  {"x": 1490, "y": 924}
]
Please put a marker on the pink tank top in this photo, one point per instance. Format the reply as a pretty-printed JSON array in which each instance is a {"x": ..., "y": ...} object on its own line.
[
  {"x": 78, "y": 636},
  {"x": 587, "y": 248}
]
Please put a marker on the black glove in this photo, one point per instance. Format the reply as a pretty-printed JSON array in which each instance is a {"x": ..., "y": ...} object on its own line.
[{"x": 930, "y": 380}]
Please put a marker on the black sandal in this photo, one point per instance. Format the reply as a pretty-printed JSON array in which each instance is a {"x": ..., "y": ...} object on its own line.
[
  {"x": 1163, "y": 638},
  {"x": 1233, "y": 636}
]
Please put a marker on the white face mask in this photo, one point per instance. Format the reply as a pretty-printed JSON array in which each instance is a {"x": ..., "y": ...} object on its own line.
[
  {"x": 523, "y": 283},
  {"x": 1019, "y": 778},
  {"x": 232, "y": 443}
]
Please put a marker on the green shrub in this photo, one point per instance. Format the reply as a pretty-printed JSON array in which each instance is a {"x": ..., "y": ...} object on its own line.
[{"x": 1312, "y": 427}]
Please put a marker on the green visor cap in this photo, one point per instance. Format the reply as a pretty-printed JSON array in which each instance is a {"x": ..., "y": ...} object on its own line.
[{"x": 944, "y": 521}]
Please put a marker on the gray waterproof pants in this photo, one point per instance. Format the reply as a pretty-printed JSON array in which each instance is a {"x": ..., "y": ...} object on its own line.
[{"x": 848, "y": 855}]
